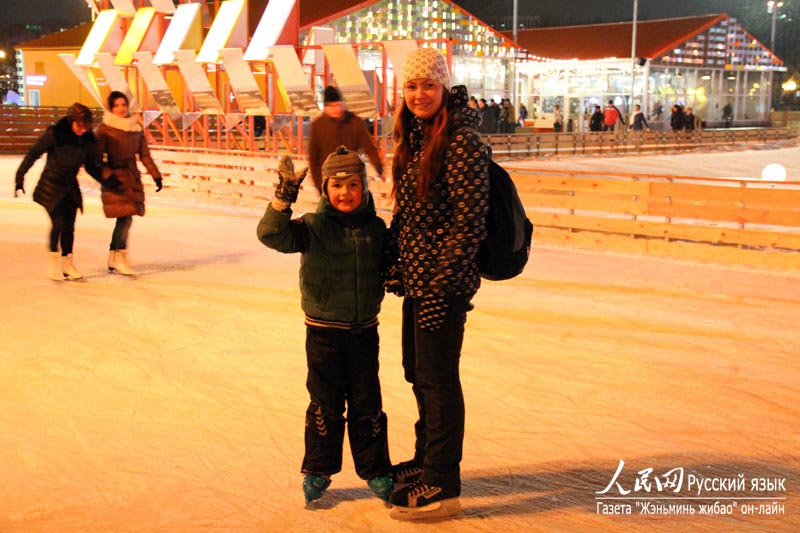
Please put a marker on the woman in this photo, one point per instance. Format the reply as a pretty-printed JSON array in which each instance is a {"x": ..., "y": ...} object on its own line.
[
  {"x": 523, "y": 115},
  {"x": 558, "y": 119},
  {"x": 638, "y": 121},
  {"x": 120, "y": 138},
  {"x": 69, "y": 144},
  {"x": 441, "y": 192}
]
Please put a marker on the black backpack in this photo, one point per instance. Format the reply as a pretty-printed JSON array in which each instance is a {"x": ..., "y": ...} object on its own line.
[{"x": 505, "y": 251}]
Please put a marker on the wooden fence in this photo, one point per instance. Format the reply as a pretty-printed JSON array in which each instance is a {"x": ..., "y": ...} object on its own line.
[
  {"x": 630, "y": 142},
  {"x": 720, "y": 220},
  {"x": 740, "y": 221},
  {"x": 750, "y": 222},
  {"x": 20, "y": 127}
]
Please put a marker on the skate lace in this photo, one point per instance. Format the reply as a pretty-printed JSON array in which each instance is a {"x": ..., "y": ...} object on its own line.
[
  {"x": 419, "y": 489},
  {"x": 408, "y": 468}
]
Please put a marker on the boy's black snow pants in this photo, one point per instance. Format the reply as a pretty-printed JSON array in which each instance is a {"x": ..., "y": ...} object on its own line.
[{"x": 343, "y": 373}]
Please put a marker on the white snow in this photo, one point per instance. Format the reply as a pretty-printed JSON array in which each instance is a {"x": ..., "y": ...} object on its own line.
[{"x": 174, "y": 401}]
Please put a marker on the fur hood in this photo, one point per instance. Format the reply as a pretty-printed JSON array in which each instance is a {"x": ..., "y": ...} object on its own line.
[{"x": 129, "y": 123}]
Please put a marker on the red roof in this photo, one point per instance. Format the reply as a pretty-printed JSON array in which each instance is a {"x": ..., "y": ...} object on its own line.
[
  {"x": 654, "y": 38},
  {"x": 70, "y": 39}
]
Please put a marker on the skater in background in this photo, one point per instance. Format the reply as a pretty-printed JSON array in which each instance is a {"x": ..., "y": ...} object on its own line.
[
  {"x": 611, "y": 115},
  {"x": 691, "y": 121},
  {"x": 676, "y": 118},
  {"x": 558, "y": 119},
  {"x": 341, "y": 289},
  {"x": 727, "y": 115},
  {"x": 120, "y": 139},
  {"x": 638, "y": 120},
  {"x": 441, "y": 192},
  {"x": 69, "y": 144},
  {"x": 596, "y": 120},
  {"x": 523, "y": 115},
  {"x": 337, "y": 126}
]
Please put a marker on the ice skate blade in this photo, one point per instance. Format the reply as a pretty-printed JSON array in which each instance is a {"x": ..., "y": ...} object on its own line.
[{"x": 440, "y": 509}]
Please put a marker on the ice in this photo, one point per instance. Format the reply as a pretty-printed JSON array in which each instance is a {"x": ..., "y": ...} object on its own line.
[{"x": 174, "y": 401}]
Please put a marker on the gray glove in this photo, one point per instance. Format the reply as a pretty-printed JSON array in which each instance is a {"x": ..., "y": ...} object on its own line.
[{"x": 288, "y": 184}]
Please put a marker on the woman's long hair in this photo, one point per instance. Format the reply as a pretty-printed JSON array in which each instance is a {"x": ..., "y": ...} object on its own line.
[{"x": 432, "y": 151}]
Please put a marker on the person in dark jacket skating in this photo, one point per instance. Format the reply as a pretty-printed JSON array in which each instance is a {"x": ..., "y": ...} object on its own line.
[
  {"x": 441, "y": 189},
  {"x": 336, "y": 127},
  {"x": 342, "y": 290},
  {"x": 69, "y": 145}
]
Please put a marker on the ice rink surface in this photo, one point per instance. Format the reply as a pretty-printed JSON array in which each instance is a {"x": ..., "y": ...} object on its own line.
[{"x": 174, "y": 401}]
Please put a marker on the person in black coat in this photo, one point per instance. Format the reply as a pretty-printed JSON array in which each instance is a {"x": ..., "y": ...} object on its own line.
[
  {"x": 690, "y": 120},
  {"x": 69, "y": 144},
  {"x": 638, "y": 120},
  {"x": 596, "y": 121},
  {"x": 676, "y": 119}
]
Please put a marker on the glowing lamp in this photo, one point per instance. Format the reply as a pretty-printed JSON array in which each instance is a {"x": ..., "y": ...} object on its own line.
[{"x": 773, "y": 172}]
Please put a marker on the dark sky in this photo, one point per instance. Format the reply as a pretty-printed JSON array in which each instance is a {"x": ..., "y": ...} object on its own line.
[
  {"x": 37, "y": 11},
  {"x": 563, "y": 12},
  {"x": 553, "y": 12}
]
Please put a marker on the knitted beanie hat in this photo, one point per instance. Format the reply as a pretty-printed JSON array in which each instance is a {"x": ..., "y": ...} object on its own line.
[
  {"x": 426, "y": 63},
  {"x": 342, "y": 164},
  {"x": 332, "y": 94}
]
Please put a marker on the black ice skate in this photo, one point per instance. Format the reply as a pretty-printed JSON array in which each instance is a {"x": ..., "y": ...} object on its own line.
[
  {"x": 405, "y": 473},
  {"x": 420, "y": 501}
]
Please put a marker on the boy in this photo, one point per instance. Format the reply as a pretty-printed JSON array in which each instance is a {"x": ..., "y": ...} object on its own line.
[{"x": 341, "y": 288}]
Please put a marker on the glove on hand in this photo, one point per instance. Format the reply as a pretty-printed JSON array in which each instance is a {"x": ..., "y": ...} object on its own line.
[
  {"x": 394, "y": 286},
  {"x": 432, "y": 312},
  {"x": 159, "y": 183},
  {"x": 288, "y": 184},
  {"x": 18, "y": 187},
  {"x": 393, "y": 282},
  {"x": 112, "y": 182}
]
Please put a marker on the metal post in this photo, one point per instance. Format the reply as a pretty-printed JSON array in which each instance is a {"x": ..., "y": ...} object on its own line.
[
  {"x": 514, "y": 60},
  {"x": 633, "y": 55},
  {"x": 773, "y": 7}
]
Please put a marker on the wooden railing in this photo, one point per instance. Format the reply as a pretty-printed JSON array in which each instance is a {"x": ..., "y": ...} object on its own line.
[
  {"x": 236, "y": 179},
  {"x": 20, "y": 127},
  {"x": 750, "y": 222},
  {"x": 718, "y": 220},
  {"x": 629, "y": 142}
]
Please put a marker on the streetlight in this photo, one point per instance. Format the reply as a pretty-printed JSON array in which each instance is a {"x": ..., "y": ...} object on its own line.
[{"x": 773, "y": 7}]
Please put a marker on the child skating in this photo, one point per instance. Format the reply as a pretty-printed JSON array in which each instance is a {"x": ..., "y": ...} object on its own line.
[{"x": 341, "y": 290}]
